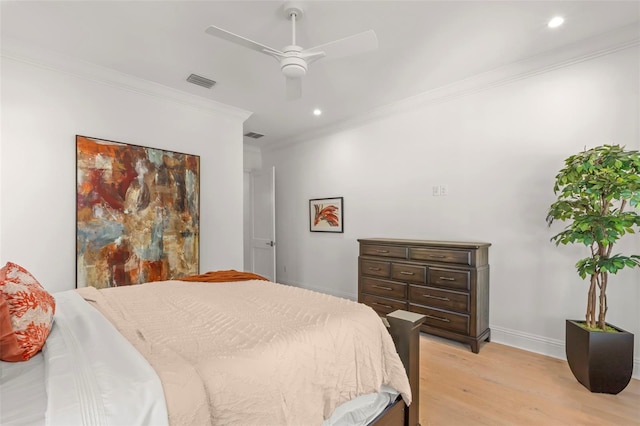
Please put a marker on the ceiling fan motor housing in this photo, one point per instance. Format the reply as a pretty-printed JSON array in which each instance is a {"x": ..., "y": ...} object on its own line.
[{"x": 292, "y": 65}]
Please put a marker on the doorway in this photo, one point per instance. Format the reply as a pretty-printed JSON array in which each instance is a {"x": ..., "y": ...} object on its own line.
[{"x": 259, "y": 223}]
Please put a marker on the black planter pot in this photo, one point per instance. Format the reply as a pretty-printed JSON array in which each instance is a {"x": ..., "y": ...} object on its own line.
[{"x": 602, "y": 362}]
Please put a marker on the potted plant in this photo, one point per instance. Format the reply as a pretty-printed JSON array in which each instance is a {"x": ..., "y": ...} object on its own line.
[{"x": 598, "y": 194}]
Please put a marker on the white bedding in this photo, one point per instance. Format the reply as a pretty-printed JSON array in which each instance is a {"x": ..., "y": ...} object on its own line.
[
  {"x": 363, "y": 409},
  {"x": 89, "y": 374},
  {"x": 23, "y": 400}
]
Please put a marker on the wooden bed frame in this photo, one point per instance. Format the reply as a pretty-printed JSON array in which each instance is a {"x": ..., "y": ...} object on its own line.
[{"x": 404, "y": 328}]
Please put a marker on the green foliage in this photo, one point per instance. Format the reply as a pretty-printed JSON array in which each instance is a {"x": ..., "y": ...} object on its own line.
[{"x": 598, "y": 194}]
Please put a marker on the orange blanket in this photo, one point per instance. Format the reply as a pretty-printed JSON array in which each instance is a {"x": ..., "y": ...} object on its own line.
[{"x": 223, "y": 276}]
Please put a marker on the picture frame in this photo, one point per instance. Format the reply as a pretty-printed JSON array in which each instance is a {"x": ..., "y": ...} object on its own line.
[
  {"x": 137, "y": 213},
  {"x": 326, "y": 214}
]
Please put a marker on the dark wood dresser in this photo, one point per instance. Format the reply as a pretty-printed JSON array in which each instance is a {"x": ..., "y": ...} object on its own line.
[{"x": 446, "y": 281}]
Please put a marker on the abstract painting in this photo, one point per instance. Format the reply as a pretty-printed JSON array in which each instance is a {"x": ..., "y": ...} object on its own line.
[
  {"x": 137, "y": 213},
  {"x": 325, "y": 214}
]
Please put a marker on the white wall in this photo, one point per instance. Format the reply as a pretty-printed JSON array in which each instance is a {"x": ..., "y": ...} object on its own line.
[
  {"x": 45, "y": 106},
  {"x": 252, "y": 158},
  {"x": 498, "y": 150}
]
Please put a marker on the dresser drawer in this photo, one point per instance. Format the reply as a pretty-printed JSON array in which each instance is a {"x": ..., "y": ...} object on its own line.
[
  {"x": 383, "y": 288},
  {"x": 381, "y": 305},
  {"x": 462, "y": 257},
  {"x": 384, "y": 251},
  {"x": 458, "y": 323},
  {"x": 413, "y": 273},
  {"x": 437, "y": 298},
  {"x": 375, "y": 268},
  {"x": 449, "y": 278}
]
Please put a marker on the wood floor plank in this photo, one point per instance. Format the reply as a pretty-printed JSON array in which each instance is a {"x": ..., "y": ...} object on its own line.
[{"x": 503, "y": 385}]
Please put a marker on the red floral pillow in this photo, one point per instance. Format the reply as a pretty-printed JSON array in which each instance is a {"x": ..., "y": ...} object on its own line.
[{"x": 26, "y": 314}]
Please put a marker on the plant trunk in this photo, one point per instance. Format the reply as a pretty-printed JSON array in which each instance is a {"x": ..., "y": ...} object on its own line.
[
  {"x": 603, "y": 300},
  {"x": 591, "y": 303}
]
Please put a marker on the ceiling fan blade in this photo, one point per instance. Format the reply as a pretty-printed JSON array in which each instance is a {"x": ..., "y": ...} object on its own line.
[
  {"x": 294, "y": 88},
  {"x": 352, "y": 45},
  {"x": 234, "y": 38},
  {"x": 312, "y": 56}
]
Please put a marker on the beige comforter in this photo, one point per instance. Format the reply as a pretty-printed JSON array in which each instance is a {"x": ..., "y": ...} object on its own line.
[{"x": 253, "y": 352}]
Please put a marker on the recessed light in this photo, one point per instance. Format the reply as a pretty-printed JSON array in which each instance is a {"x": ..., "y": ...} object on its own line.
[
  {"x": 555, "y": 22},
  {"x": 317, "y": 112}
]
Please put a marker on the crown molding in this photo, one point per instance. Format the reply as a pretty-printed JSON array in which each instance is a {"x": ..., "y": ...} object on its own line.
[
  {"x": 53, "y": 61},
  {"x": 604, "y": 44}
]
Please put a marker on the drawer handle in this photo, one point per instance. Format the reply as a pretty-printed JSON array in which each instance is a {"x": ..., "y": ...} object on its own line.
[
  {"x": 382, "y": 304},
  {"x": 382, "y": 287},
  {"x": 438, "y": 318},
  {"x": 447, "y": 279},
  {"x": 382, "y": 251},
  {"x": 374, "y": 269},
  {"x": 407, "y": 273},
  {"x": 436, "y": 256},
  {"x": 446, "y": 299}
]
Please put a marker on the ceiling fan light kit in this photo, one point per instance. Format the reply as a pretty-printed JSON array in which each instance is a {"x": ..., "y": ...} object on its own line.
[
  {"x": 292, "y": 64},
  {"x": 294, "y": 60}
]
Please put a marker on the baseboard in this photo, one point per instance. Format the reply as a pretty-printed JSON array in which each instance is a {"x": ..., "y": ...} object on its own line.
[{"x": 541, "y": 345}]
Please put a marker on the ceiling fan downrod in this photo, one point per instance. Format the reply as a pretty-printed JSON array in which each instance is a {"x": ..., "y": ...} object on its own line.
[
  {"x": 293, "y": 28},
  {"x": 293, "y": 11},
  {"x": 292, "y": 64}
]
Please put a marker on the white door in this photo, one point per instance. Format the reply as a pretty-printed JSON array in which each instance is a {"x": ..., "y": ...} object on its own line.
[{"x": 263, "y": 223}]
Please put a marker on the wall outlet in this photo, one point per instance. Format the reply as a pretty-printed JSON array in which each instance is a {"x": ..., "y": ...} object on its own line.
[
  {"x": 435, "y": 190},
  {"x": 444, "y": 190}
]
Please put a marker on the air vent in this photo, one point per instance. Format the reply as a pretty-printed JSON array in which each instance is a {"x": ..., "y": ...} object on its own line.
[
  {"x": 201, "y": 81},
  {"x": 253, "y": 135}
]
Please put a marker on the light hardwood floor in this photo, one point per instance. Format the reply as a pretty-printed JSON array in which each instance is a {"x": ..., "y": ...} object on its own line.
[{"x": 507, "y": 386}]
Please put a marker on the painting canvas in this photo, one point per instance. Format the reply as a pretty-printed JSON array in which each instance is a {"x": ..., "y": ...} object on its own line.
[
  {"x": 325, "y": 214},
  {"x": 137, "y": 213}
]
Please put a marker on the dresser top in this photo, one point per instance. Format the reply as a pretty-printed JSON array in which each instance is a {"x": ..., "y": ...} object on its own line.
[{"x": 424, "y": 243}]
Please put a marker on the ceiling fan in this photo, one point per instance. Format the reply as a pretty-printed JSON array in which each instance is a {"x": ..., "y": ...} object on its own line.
[{"x": 294, "y": 60}]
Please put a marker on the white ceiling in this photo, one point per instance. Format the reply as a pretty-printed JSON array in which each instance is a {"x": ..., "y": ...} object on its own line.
[{"x": 422, "y": 45}]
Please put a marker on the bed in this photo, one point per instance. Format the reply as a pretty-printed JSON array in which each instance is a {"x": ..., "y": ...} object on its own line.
[{"x": 215, "y": 349}]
